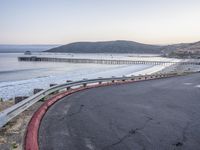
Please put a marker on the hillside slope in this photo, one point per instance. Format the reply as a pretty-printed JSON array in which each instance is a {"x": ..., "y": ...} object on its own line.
[
  {"x": 107, "y": 47},
  {"x": 185, "y": 50}
]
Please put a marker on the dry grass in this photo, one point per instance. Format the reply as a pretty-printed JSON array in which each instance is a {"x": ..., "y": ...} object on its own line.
[
  {"x": 12, "y": 134},
  {"x": 6, "y": 104}
]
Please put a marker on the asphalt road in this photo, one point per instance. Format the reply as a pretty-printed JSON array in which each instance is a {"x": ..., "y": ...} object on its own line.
[{"x": 151, "y": 115}]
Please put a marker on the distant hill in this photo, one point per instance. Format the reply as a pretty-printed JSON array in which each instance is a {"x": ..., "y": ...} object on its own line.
[
  {"x": 183, "y": 50},
  {"x": 22, "y": 48},
  {"x": 107, "y": 47}
]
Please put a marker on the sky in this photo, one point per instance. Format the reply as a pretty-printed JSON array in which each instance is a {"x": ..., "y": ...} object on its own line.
[{"x": 65, "y": 21}]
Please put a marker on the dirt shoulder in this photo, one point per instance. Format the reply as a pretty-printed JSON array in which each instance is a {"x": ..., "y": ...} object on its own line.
[
  {"x": 6, "y": 104},
  {"x": 12, "y": 135}
]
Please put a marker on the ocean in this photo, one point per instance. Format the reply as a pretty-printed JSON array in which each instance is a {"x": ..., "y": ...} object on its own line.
[{"x": 20, "y": 78}]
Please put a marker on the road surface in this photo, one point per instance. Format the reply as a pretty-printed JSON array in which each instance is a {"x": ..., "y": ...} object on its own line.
[{"x": 159, "y": 114}]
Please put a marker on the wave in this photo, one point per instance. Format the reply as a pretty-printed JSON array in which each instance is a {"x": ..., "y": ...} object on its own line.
[{"x": 20, "y": 70}]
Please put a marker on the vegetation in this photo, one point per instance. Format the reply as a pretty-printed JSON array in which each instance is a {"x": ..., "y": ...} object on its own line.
[
  {"x": 107, "y": 47},
  {"x": 184, "y": 50}
]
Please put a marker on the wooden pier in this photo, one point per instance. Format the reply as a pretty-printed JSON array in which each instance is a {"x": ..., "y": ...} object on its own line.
[{"x": 102, "y": 61}]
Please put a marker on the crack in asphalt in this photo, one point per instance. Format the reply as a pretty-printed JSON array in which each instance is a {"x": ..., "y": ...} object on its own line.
[
  {"x": 81, "y": 108},
  {"x": 99, "y": 105},
  {"x": 113, "y": 131},
  {"x": 79, "y": 111},
  {"x": 184, "y": 138},
  {"x": 129, "y": 134}
]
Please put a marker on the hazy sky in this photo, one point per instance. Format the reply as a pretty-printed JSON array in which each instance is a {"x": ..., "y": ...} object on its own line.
[{"x": 64, "y": 21}]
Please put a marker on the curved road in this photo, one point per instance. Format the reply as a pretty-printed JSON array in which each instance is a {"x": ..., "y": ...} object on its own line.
[{"x": 151, "y": 115}]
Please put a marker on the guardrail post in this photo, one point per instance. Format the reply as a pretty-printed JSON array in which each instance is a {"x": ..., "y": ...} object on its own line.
[
  {"x": 37, "y": 90},
  {"x": 20, "y": 98},
  {"x": 84, "y": 84},
  {"x": 52, "y": 84}
]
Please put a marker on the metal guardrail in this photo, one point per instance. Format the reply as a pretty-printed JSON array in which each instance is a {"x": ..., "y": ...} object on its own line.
[{"x": 13, "y": 111}]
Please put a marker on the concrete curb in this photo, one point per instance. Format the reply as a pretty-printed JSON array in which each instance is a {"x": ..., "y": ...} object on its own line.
[{"x": 31, "y": 136}]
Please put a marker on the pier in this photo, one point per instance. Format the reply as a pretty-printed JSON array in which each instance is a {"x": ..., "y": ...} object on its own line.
[{"x": 102, "y": 61}]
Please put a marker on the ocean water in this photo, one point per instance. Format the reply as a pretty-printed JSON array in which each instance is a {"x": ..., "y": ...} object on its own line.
[
  {"x": 13, "y": 70},
  {"x": 20, "y": 78}
]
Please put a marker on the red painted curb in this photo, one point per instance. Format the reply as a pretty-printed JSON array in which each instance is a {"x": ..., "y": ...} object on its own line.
[{"x": 31, "y": 137}]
